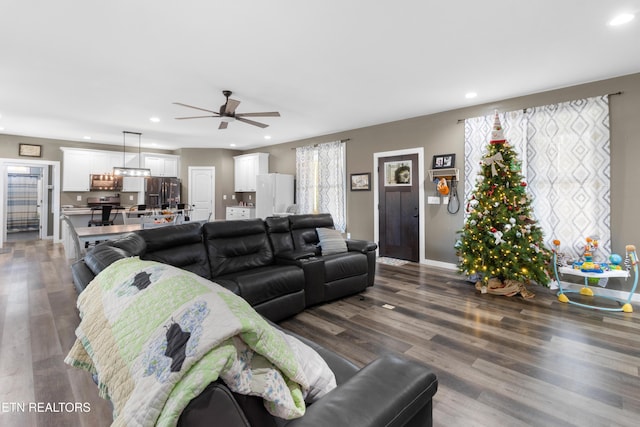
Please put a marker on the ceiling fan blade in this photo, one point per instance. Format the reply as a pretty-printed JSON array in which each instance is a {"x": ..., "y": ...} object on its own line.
[
  {"x": 197, "y": 108},
  {"x": 223, "y": 125},
  {"x": 265, "y": 114},
  {"x": 231, "y": 106},
  {"x": 195, "y": 117},
  {"x": 251, "y": 122}
]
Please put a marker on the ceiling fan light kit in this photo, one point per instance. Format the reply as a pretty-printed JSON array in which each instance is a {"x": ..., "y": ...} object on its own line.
[{"x": 228, "y": 113}]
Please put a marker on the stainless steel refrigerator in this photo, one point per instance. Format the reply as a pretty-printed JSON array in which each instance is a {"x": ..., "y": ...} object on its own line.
[{"x": 161, "y": 192}]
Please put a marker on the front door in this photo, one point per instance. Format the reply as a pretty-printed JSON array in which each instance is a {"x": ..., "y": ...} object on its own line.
[
  {"x": 399, "y": 208},
  {"x": 202, "y": 192}
]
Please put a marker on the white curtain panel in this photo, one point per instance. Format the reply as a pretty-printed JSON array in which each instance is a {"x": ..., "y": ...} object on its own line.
[
  {"x": 565, "y": 155},
  {"x": 321, "y": 186}
]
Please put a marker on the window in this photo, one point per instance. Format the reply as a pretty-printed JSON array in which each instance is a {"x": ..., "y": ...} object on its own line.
[{"x": 321, "y": 181}]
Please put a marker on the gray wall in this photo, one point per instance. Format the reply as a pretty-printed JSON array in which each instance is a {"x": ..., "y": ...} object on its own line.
[
  {"x": 441, "y": 133},
  {"x": 437, "y": 134},
  {"x": 222, "y": 160}
]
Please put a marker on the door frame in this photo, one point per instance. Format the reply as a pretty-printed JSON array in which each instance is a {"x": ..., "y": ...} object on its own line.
[
  {"x": 376, "y": 200},
  {"x": 55, "y": 187},
  {"x": 213, "y": 186}
]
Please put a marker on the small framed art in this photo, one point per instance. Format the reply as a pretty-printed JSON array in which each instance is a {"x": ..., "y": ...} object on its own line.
[
  {"x": 30, "y": 150},
  {"x": 361, "y": 181},
  {"x": 444, "y": 161}
]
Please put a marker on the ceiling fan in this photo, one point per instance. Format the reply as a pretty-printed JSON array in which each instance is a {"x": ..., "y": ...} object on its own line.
[{"x": 228, "y": 113}]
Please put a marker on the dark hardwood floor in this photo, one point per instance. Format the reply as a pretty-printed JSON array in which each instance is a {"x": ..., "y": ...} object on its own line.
[{"x": 500, "y": 361}]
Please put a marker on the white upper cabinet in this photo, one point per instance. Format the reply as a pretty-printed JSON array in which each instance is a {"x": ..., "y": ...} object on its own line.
[
  {"x": 247, "y": 166},
  {"x": 162, "y": 164},
  {"x": 76, "y": 168},
  {"x": 79, "y": 163}
]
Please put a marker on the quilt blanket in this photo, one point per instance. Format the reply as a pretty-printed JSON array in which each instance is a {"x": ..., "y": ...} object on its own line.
[{"x": 155, "y": 336}]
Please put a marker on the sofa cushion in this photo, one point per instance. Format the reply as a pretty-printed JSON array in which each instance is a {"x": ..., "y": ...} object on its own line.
[
  {"x": 303, "y": 230},
  {"x": 279, "y": 235},
  {"x": 331, "y": 241},
  {"x": 235, "y": 246},
  {"x": 179, "y": 245},
  {"x": 262, "y": 284},
  {"x": 340, "y": 266}
]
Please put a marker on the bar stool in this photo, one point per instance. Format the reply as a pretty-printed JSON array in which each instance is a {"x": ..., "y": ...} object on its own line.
[{"x": 105, "y": 218}]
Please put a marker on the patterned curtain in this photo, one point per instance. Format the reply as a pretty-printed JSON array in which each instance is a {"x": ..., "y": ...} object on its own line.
[
  {"x": 564, "y": 149},
  {"x": 321, "y": 181},
  {"x": 306, "y": 179},
  {"x": 22, "y": 203},
  {"x": 477, "y": 134},
  {"x": 569, "y": 160}
]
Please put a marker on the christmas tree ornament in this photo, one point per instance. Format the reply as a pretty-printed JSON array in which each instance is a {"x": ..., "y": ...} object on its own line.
[
  {"x": 497, "y": 133},
  {"x": 494, "y": 160}
]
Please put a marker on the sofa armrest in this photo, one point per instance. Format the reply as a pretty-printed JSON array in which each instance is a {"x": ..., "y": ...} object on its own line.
[
  {"x": 363, "y": 246},
  {"x": 81, "y": 275},
  {"x": 290, "y": 257},
  {"x": 391, "y": 391}
]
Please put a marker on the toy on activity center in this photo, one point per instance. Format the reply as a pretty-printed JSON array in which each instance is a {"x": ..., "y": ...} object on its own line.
[{"x": 590, "y": 266}]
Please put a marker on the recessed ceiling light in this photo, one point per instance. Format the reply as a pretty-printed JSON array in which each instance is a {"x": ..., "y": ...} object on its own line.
[
  {"x": 86, "y": 137},
  {"x": 470, "y": 95},
  {"x": 621, "y": 19},
  {"x": 1, "y": 128},
  {"x": 232, "y": 145},
  {"x": 155, "y": 119},
  {"x": 267, "y": 137}
]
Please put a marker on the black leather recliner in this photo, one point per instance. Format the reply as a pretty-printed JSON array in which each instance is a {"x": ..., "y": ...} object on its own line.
[{"x": 327, "y": 277}]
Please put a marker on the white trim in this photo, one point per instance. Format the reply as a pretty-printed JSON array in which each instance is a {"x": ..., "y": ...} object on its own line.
[
  {"x": 440, "y": 264},
  {"x": 421, "y": 226},
  {"x": 55, "y": 203}
]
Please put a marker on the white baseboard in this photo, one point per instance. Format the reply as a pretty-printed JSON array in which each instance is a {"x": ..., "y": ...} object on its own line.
[{"x": 434, "y": 263}]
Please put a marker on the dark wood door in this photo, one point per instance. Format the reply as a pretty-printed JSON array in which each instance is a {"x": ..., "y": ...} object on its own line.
[{"x": 399, "y": 212}]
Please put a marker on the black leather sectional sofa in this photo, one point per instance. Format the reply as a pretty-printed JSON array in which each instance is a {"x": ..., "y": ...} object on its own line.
[{"x": 277, "y": 265}]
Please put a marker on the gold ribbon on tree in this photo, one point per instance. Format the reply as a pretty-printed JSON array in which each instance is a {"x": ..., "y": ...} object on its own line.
[{"x": 494, "y": 160}]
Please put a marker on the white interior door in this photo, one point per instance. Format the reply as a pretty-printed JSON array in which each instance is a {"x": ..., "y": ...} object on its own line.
[{"x": 202, "y": 192}]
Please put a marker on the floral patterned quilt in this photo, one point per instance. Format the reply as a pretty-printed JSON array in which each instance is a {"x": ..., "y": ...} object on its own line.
[{"x": 155, "y": 336}]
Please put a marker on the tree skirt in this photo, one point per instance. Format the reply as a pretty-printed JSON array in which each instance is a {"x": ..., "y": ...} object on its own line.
[{"x": 507, "y": 288}]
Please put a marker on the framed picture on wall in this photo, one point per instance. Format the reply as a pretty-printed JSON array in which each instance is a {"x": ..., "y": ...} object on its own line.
[
  {"x": 361, "y": 181},
  {"x": 397, "y": 173},
  {"x": 30, "y": 150},
  {"x": 444, "y": 161}
]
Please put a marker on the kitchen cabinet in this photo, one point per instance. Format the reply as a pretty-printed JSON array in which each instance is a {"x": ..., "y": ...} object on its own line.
[
  {"x": 79, "y": 163},
  {"x": 162, "y": 164},
  {"x": 240, "y": 212},
  {"x": 246, "y": 168},
  {"x": 76, "y": 168}
]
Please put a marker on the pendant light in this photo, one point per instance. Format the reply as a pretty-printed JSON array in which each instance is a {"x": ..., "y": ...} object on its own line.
[{"x": 125, "y": 171}]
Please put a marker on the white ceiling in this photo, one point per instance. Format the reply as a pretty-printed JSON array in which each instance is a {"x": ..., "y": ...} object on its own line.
[{"x": 71, "y": 69}]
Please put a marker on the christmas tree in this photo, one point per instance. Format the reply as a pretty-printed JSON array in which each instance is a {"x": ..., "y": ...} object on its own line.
[{"x": 501, "y": 242}]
